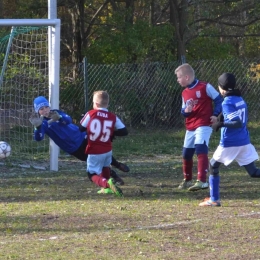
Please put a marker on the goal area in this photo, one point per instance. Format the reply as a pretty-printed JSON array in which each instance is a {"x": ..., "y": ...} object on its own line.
[{"x": 29, "y": 67}]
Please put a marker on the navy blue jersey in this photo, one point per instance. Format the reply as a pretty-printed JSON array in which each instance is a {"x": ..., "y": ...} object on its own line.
[
  {"x": 234, "y": 108},
  {"x": 63, "y": 132}
]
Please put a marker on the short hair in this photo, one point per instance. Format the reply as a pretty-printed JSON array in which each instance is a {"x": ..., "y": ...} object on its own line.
[
  {"x": 186, "y": 69},
  {"x": 101, "y": 97}
]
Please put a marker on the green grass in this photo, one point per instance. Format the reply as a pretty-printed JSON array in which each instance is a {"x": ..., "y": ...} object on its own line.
[{"x": 59, "y": 215}]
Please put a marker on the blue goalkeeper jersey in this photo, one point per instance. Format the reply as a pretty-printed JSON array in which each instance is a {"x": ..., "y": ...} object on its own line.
[
  {"x": 63, "y": 132},
  {"x": 234, "y": 108}
]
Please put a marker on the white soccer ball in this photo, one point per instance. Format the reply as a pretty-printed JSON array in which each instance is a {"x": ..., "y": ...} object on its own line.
[{"x": 5, "y": 149}]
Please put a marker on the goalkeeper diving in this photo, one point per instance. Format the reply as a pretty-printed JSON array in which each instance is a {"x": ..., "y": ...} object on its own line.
[{"x": 59, "y": 127}]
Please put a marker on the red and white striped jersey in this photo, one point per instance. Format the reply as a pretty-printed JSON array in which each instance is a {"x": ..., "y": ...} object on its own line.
[
  {"x": 203, "y": 105},
  {"x": 100, "y": 126}
]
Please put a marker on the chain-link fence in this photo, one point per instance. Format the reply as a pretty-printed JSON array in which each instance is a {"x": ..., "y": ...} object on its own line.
[
  {"x": 73, "y": 98},
  {"x": 147, "y": 95}
]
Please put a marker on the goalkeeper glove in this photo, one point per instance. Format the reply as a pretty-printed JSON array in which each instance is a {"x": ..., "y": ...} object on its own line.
[
  {"x": 36, "y": 121},
  {"x": 55, "y": 116}
]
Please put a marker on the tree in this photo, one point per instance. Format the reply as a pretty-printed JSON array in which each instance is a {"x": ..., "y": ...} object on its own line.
[
  {"x": 77, "y": 26},
  {"x": 224, "y": 20},
  {"x": 122, "y": 30}
]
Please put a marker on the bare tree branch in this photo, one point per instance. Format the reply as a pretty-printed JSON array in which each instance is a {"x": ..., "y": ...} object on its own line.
[{"x": 94, "y": 18}]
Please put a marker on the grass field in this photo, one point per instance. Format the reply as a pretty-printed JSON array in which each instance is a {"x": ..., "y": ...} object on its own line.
[{"x": 59, "y": 215}]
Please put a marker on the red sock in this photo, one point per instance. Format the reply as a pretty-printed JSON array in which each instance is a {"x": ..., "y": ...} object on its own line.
[
  {"x": 105, "y": 173},
  {"x": 100, "y": 181},
  {"x": 187, "y": 169},
  {"x": 203, "y": 164}
]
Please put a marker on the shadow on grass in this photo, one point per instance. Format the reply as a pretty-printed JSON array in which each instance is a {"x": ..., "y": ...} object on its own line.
[{"x": 145, "y": 181}]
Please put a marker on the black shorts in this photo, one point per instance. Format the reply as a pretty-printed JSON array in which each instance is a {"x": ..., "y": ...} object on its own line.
[{"x": 80, "y": 152}]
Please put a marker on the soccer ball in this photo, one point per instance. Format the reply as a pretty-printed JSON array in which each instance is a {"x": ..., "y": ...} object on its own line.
[{"x": 5, "y": 149}]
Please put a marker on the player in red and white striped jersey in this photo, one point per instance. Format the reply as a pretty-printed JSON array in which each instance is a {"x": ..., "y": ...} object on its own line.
[
  {"x": 101, "y": 125},
  {"x": 197, "y": 108}
]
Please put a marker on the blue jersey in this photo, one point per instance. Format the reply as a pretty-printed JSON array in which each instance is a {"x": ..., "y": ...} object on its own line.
[
  {"x": 63, "y": 132},
  {"x": 234, "y": 108}
]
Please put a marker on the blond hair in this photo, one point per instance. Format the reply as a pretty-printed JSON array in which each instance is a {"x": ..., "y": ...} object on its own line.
[
  {"x": 101, "y": 98},
  {"x": 186, "y": 70}
]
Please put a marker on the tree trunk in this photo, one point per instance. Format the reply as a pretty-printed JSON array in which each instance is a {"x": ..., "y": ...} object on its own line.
[
  {"x": 129, "y": 17},
  {"x": 1, "y": 8},
  {"x": 151, "y": 14},
  {"x": 76, "y": 39},
  {"x": 178, "y": 18}
]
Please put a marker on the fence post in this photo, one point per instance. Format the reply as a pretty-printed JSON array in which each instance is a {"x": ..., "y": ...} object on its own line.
[{"x": 85, "y": 82}]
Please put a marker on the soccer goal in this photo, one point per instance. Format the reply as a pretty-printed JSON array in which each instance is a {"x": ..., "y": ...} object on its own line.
[{"x": 29, "y": 67}]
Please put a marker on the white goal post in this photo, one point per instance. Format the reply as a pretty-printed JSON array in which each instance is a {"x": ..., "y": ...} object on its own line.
[{"x": 53, "y": 67}]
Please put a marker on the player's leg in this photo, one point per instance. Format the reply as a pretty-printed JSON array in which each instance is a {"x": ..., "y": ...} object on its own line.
[
  {"x": 187, "y": 160},
  {"x": 224, "y": 155},
  {"x": 106, "y": 173},
  {"x": 252, "y": 170},
  {"x": 106, "y": 176},
  {"x": 115, "y": 189},
  {"x": 214, "y": 180},
  {"x": 116, "y": 177},
  {"x": 94, "y": 170},
  {"x": 247, "y": 157},
  {"x": 80, "y": 152},
  {"x": 122, "y": 167},
  {"x": 187, "y": 165},
  {"x": 111, "y": 181},
  {"x": 98, "y": 168},
  {"x": 202, "y": 136}
]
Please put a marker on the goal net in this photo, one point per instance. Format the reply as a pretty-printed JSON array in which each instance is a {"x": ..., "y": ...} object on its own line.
[{"x": 24, "y": 75}]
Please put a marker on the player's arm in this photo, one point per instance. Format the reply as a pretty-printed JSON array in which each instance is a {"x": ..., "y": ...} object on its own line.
[
  {"x": 65, "y": 119},
  {"x": 216, "y": 97},
  {"x": 121, "y": 132},
  {"x": 84, "y": 122},
  {"x": 230, "y": 124},
  {"x": 38, "y": 122},
  {"x": 121, "y": 129},
  {"x": 232, "y": 120},
  {"x": 217, "y": 107},
  {"x": 233, "y": 124},
  {"x": 39, "y": 132},
  {"x": 185, "y": 108},
  {"x": 82, "y": 128},
  {"x": 38, "y": 135},
  {"x": 60, "y": 117}
]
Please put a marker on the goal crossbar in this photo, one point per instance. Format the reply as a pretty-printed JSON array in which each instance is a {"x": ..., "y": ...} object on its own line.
[{"x": 30, "y": 22}]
